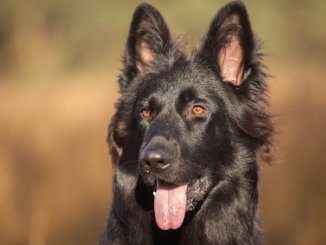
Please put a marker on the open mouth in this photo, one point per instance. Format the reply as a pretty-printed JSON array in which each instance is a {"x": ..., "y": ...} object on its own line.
[{"x": 172, "y": 201}]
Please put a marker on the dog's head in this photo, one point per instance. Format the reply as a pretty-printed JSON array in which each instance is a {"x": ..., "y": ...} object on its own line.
[{"x": 189, "y": 122}]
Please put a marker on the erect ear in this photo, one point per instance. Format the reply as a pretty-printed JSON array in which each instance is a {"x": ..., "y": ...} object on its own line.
[
  {"x": 148, "y": 38},
  {"x": 229, "y": 44}
]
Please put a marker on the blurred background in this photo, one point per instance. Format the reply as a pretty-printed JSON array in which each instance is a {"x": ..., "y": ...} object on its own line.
[{"x": 59, "y": 60}]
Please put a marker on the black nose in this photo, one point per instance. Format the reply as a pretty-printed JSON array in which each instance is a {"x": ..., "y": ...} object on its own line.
[{"x": 156, "y": 158}]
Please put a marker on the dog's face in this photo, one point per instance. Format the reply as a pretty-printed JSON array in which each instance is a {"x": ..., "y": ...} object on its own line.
[{"x": 179, "y": 117}]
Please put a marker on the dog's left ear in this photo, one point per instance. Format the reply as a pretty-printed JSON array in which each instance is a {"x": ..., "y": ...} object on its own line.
[{"x": 229, "y": 44}]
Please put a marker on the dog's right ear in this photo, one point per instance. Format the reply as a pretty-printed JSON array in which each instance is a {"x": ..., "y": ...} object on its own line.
[{"x": 148, "y": 38}]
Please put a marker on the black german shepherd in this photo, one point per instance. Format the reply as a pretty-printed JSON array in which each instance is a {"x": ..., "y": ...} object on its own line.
[{"x": 187, "y": 135}]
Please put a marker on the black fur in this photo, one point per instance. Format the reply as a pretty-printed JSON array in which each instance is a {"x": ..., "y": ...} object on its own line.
[{"x": 216, "y": 154}]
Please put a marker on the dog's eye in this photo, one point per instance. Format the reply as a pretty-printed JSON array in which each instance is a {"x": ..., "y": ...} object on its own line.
[
  {"x": 198, "y": 110},
  {"x": 145, "y": 113}
]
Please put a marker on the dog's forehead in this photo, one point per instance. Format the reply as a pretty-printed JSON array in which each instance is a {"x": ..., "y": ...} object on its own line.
[{"x": 180, "y": 78}]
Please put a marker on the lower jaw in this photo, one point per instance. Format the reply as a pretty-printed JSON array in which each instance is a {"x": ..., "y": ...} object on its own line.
[
  {"x": 190, "y": 201},
  {"x": 195, "y": 187}
]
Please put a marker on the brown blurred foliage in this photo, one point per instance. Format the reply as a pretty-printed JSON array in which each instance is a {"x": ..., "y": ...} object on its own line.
[{"x": 58, "y": 65}]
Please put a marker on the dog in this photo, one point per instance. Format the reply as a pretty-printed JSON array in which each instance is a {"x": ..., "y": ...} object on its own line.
[{"x": 188, "y": 133}]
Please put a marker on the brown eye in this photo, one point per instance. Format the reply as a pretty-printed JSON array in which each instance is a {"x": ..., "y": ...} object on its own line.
[
  {"x": 198, "y": 110},
  {"x": 145, "y": 113}
]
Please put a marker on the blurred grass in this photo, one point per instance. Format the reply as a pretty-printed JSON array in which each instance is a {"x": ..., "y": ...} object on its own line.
[{"x": 58, "y": 66}]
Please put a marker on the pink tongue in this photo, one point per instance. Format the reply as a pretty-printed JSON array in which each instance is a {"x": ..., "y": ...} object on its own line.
[{"x": 170, "y": 206}]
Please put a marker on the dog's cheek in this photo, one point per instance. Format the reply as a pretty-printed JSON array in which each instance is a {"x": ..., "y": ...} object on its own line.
[{"x": 117, "y": 137}]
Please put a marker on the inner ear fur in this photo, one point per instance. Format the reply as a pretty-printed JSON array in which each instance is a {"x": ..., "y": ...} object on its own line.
[
  {"x": 145, "y": 55},
  {"x": 230, "y": 57}
]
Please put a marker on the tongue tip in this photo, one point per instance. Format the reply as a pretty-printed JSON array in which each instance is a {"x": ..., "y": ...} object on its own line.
[
  {"x": 163, "y": 227},
  {"x": 175, "y": 226},
  {"x": 169, "y": 226}
]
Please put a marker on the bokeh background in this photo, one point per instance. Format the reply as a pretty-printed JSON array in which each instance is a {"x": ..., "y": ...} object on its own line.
[{"x": 58, "y": 65}]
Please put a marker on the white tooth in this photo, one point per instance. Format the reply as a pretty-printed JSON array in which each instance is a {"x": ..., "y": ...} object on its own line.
[{"x": 154, "y": 192}]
